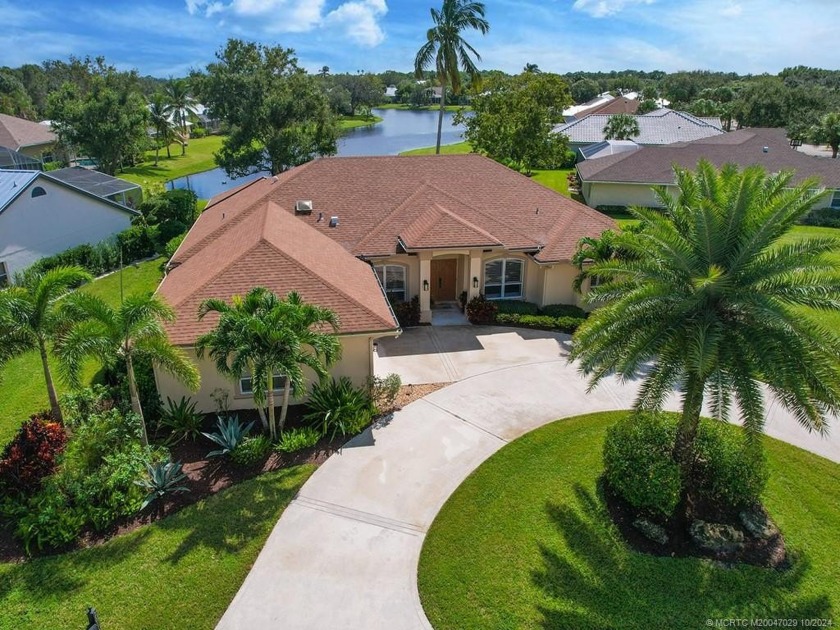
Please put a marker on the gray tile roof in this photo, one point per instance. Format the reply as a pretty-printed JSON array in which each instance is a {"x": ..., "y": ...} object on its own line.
[
  {"x": 654, "y": 165},
  {"x": 662, "y": 126}
]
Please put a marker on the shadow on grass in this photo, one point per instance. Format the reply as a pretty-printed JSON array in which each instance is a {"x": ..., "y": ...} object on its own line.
[{"x": 598, "y": 582}]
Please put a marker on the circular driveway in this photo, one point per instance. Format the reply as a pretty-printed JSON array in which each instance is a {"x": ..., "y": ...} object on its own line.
[{"x": 345, "y": 552}]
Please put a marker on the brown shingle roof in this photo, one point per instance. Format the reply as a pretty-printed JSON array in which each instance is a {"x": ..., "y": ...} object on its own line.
[
  {"x": 17, "y": 133},
  {"x": 227, "y": 254},
  {"x": 620, "y": 105},
  {"x": 654, "y": 165},
  {"x": 381, "y": 199}
]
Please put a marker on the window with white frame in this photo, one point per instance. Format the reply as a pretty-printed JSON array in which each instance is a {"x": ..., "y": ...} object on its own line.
[
  {"x": 392, "y": 278},
  {"x": 4, "y": 275},
  {"x": 246, "y": 384},
  {"x": 835, "y": 200},
  {"x": 503, "y": 278}
]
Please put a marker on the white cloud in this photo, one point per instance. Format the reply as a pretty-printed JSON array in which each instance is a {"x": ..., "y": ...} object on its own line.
[
  {"x": 358, "y": 20},
  {"x": 604, "y": 8},
  {"x": 732, "y": 10}
]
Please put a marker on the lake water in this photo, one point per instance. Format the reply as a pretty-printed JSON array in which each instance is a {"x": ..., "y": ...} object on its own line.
[{"x": 400, "y": 130}]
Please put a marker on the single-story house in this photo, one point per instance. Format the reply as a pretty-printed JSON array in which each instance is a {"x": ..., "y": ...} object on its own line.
[
  {"x": 119, "y": 190},
  {"x": 30, "y": 138},
  {"x": 626, "y": 179},
  {"x": 41, "y": 215},
  {"x": 662, "y": 126},
  {"x": 604, "y": 106},
  {"x": 357, "y": 234}
]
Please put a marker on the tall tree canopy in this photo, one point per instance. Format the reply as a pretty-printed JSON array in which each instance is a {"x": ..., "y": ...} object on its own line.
[
  {"x": 279, "y": 117},
  {"x": 448, "y": 52},
  {"x": 713, "y": 298},
  {"x": 513, "y": 118},
  {"x": 621, "y": 127}
]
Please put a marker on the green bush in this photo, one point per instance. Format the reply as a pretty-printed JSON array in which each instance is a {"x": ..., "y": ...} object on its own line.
[
  {"x": 729, "y": 472},
  {"x": 638, "y": 465},
  {"x": 78, "y": 405},
  {"x": 230, "y": 435},
  {"x": 563, "y": 310},
  {"x": 540, "y": 322},
  {"x": 339, "y": 408},
  {"x": 298, "y": 439},
  {"x": 173, "y": 244},
  {"x": 181, "y": 419},
  {"x": 824, "y": 217},
  {"x": 480, "y": 310},
  {"x": 519, "y": 307},
  {"x": 252, "y": 450},
  {"x": 138, "y": 241},
  {"x": 46, "y": 521},
  {"x": 408, "y": 313},
  {"x": 383, "y": 391}
]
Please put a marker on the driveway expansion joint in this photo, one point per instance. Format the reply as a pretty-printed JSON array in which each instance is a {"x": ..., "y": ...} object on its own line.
[
  {"x": 465, "y": 421},
  {"x": 360, "y": 516}
]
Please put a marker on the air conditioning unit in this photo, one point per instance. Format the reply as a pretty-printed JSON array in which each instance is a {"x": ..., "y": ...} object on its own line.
[{"x": 303, "y": 207}]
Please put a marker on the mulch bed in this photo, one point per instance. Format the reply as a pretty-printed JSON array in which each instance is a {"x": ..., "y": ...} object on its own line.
[
  {"x": 208, "y": 476},
  {"x": 769, "y": 553}
]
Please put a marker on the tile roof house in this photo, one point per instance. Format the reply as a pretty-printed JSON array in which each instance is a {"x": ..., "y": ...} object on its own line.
[
  {"x": 617, "y": 105},
  {"x": 625, "y": 179},
  {"x": 354, "y": 234},
  {"x": 27, "y": 137},
  {"x": 41, "y": 215},
  {"x": 661, "y": 126}
]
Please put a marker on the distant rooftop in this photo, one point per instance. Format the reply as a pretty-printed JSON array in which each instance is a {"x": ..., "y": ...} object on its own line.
[
  {"x": 12, "y": 183},
  {"x": 18, "y": 133},
  {"x": 662, "y": 126}
]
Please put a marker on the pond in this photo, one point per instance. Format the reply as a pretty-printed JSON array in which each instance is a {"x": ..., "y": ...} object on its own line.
[{"x": 400, "y": 130}]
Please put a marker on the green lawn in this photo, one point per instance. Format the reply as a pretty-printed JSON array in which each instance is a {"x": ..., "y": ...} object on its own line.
[
  {"x": 352, "y": 122},
  {"x": 180, "y": 572},
  {"x": 22, "y": 388},
  {"x": 445, "y": 149},
  {"x": 525, "y": 542},
  {"x": 199, "y": 158}
]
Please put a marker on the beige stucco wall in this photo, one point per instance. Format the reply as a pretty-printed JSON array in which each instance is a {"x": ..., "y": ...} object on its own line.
[
  {"x": 412, "y": 265},
  {"x": 558, "y": 284},
  {"x": 356, "y": 363}
]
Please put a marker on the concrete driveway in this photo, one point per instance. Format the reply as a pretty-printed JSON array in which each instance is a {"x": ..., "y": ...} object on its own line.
[{"x": 345, "y": 552}]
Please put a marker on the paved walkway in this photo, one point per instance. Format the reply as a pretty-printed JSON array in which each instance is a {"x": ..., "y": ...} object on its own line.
[{"x": 345, "y": 552}]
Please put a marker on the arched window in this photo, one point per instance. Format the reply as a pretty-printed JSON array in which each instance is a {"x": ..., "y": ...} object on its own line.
[
  {"x": 503, "y": 278},
  {"x": 38, "y": 192},
  {"x": 392, "y": 278}
]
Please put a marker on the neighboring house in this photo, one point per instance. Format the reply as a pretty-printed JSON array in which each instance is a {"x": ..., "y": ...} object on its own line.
[
  {"x": 391, "y": 92},
  {"x": 27, "y": 137},
  {"x": 615, "y": 105},
  {"x": 571, "y": 113},
  {"x": 102, "y": 185},
  {"x": 607, "y": 147},
  {"x": 41, "y": 216},
  {"x": 14, "y": 160},
  {"x": 431, "y": 227},
  {"x": 626, "y": 179},
  {"x": 434, "y": 94},
  {"x": 662, "y": 126}
]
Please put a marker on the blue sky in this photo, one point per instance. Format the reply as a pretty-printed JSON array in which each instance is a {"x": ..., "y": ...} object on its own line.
[{"x": 168, "y": 37}]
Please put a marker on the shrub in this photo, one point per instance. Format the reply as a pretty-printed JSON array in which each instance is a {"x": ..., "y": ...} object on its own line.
[
  {"x": 173, "y": 244},
  {"x": 825, "y": 217},
  {"x": 408, "y": 313},
  {"x": 480, "y": 310},
  {"x": 339, "y": 408},
  {"x": 383, "y": 391},
  {"x": 116, "y": 378},
  {"x": 182, "y": 419},
  {"x": 729, "y": 472},
  {"x": 138, "y": 241},
  {"x": 98, "y": 436},
  {"x": 638, "y": 465},
  {"x": 80, "y": 404},
  {"x": 164, "y": 480},
  {"x": 31, "y": 455},
  {"x": 516, "y": 306},
  {"x": 564, "y": 310},
  {"x": 251, "y": 450},
  {"x": 47, "y": 522},
  {"x": 540, "y": 322},
  {"x": 298, "y": 439},
  {"x": 231, "y": 432}
]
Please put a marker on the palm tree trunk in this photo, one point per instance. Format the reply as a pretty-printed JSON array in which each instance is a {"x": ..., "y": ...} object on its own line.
[
  {"x": 272, "y": 424},
  {"x": 55, "y": 409},
  {"x": 168, "y": 152},
  {"x": 135, "y": 399},
  {"x": 184, "y": 139},
  {"x": 440, "y": 116},
  {"x": 834, "y": 149},
  {"x": 683, "y": 453},
  {"x": 157, "y": 148},
  {"x": 286, "y": 389}
]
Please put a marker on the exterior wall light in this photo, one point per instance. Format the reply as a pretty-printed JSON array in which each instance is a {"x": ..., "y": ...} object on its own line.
[
  {"x": 475, "y": 282},
  {"x": 425, "y": 285}
]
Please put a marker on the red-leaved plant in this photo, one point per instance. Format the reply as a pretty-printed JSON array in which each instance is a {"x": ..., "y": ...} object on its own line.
[{"x": 31, "y": 455}]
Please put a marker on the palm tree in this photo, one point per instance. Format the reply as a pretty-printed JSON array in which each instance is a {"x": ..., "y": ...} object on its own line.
[
  {"x": 712, "y": 298},
  {"x": 448, "y": 51},
  {"x": 182, "y": 105},
  {"x": 591, "y": 250},
  {"x": 621, "y": 127},
  {"x": 159, "y": 113},
  {"x": 264, "y": 336},
  {"x": 827, "y": 131},
  {"x": 30, "y": 318},
  {"x": 123, "y": 334}
]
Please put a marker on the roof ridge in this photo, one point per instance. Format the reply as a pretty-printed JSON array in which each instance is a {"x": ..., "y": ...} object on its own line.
[
  {"x": 384, "y": 221},
  {"x": 214, "y": 201},
  {"x": 221, "y": 229},
  {"x": 469, "y": 224}
]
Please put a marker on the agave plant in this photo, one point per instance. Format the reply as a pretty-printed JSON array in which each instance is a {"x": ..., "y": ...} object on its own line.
[
  {"x": 231, "y": 432},
  {"x": 164, "y": 479}
]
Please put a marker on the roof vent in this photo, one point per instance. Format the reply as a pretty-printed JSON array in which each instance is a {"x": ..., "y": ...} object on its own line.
[
  {"x": 766, "y": 149},
  {"x": 333, "y": 221},
  {"x": 320, "y": 217},
  {"x": 303, "y": 207}
]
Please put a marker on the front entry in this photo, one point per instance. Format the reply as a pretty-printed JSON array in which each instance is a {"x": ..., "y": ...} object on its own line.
[{"x": 444, "y": 273}]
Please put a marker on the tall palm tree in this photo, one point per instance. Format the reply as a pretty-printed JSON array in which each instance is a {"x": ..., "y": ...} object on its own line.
[
  {"x": 122, "y": 334},
  {"x": 712, "y": 297},
  {"x": 159, "y": 113},
  {"x": 621, "y": 127},
  {"x": 448, "y": 51},
  {"x": 266, "y": 336},
  {"x": 182, "y": 105},
  {"x": 30, "y": 318}
]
